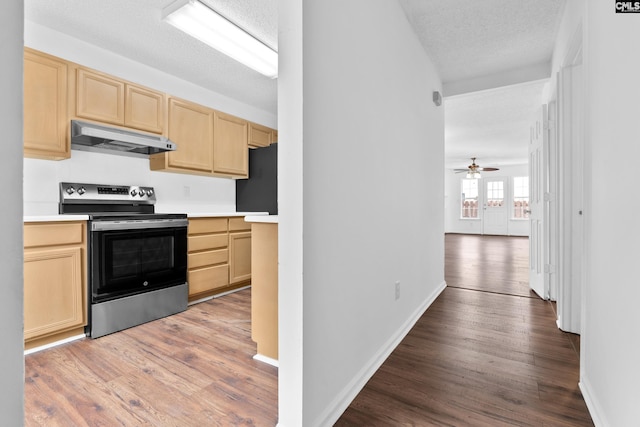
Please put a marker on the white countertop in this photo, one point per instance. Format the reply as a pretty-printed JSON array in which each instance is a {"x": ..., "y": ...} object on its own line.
[
  {"x": 57, "y": 217},
  {"x": 268, "y": 219},
  {"x": 218, "y": 214},
  {"x": 68, "y": 217}
]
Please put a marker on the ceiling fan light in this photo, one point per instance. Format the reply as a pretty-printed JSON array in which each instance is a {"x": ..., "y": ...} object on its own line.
[{"x": 203, "y": 23}]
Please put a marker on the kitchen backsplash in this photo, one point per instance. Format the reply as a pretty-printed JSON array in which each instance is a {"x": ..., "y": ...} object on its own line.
[{"x": 174, "y": 191}]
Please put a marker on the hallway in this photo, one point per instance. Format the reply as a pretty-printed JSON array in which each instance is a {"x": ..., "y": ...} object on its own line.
[{"x": 486, "y": 353}]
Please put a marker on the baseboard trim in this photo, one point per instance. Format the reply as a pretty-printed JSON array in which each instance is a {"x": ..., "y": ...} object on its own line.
[
  {"x": 592, "y": 404},
  {"x": 54, "y": 344},
  {"x": 267, "y": 360},
  {"x": 342, "y": 401}
]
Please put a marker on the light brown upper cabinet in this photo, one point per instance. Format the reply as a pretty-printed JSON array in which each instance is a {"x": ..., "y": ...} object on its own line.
[
  {"x": 144, "y": 109},
  {"x": 259, "y": 136},
  {"x": 230, "y": 145},
  {"x": 274, "y": 136},
  {"x": 107, "y": 99},
  {"x": 190, "y": 126},
  {"x": 45, "y": 106},
  {"x": 99, "y": 97}
]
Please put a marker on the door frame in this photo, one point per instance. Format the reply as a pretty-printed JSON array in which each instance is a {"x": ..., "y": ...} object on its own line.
[{"x": 571, "y": 189}]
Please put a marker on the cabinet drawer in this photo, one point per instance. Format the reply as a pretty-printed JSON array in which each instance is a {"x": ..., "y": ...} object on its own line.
[
  {"x": 238, "y": 224},
  {"x": 53, "y": 234},
  {"x": 201, "y": 259},
  {"x": 207, "y": 279},
  {"x": 207, "y": 225},
  {"x": 201, "y": 243}
]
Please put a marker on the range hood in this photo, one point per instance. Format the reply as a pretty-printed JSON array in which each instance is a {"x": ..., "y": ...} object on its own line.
[{"x": 103, "y": 139}]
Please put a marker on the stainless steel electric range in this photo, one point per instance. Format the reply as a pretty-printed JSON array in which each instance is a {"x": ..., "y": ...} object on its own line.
[{"x": 137, "y": 259}]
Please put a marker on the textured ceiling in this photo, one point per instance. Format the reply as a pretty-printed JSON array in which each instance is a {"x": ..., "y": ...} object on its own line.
[
  {"x": 471, "y": 38},
  {"x": 491, "y": 125},
  {"x": 465, "y": 38}
]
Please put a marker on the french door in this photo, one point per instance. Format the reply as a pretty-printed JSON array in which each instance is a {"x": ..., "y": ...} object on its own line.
[{"x": 495, "y": 210}]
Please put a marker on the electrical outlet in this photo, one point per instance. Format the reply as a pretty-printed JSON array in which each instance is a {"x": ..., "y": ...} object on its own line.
[
  {"x": 187, "y": 191},
  {"x": 397, "y": 291}
]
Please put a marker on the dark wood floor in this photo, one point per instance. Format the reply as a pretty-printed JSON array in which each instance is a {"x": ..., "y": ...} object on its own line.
[
  {"x": 486, "y": 353},
  {"x": 483, "y": 354},
  {"x": 488, "y": 263},
  {"x": 191, "y": 369}
]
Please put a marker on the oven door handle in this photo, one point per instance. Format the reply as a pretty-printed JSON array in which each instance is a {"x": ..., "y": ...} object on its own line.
[{"x": 138, "y": 224}]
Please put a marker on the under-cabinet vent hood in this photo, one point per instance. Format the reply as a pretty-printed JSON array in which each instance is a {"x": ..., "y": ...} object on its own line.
[{"x": 103, "y": 139}]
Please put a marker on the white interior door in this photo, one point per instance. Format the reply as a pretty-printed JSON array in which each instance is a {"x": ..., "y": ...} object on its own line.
[
  {"x": 537, "y": 185},
  {"x": 495, "y": 218}
]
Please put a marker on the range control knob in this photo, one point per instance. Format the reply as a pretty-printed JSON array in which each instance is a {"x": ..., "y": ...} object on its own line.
[
  {"x": 141, "y": 193},
  {"x": 150, "y": 192},
  {"x": 81, "y": 191},
  {"x": 134, "y": 192},
  {"x": 70, "y": 190}
]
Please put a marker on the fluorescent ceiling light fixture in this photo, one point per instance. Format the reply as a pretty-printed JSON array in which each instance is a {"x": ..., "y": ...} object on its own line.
[{"x": 206, "y": 25}]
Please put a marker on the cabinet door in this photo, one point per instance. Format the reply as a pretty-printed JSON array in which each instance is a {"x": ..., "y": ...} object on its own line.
[
  {"x": 53, "y": 290},
  {"x": 239, "y": 257},
  {"x": 99, "y": 97},
  {"x": 45, "y": 106},
  {"x": 191, "y": 128},
  {"x": 259, "y": 136},
  {"x": 230, "y": 148},
  {"x": 144, "y": 109}
]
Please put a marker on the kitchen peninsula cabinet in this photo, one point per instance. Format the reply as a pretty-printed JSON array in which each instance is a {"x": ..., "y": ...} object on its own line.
[
  {"x": 46, "y": 80},
  {"x": 107, "y": 99},
  {"x": 230, "y": 145},
  {"x": 55, "y": 295},
  {"x": 191, "y": 128},
  {"x": 264, "y": 286}
]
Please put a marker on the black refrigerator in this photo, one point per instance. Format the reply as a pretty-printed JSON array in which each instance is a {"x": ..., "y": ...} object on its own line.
[{"x": 259, "y": 193}]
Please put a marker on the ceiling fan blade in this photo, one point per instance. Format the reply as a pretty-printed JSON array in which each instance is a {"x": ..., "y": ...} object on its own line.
[
  {"x": 488, "y": 169},
  {"x": 460, "y": 170}
]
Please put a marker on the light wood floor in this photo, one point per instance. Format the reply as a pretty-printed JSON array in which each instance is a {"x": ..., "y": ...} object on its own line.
[
  {"x": 191, "y": 369},
  {"x": 483, "y": 354},
  {"x": 486, "y": 353}
]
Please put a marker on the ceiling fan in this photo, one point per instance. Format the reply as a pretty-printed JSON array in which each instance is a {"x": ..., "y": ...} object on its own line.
[{"x": 473, "y": 170}]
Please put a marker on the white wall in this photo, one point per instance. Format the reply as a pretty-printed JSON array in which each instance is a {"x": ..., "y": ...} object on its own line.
[
  {"x": 11, "y": 356},
  {"x": 453, "y": 223},
  {"x": 369, "y": 212},
  {"x": 610, "y": 372},
  {"x": 175, "y": 191}
]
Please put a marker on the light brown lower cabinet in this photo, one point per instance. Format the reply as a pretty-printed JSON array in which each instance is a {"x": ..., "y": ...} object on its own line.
[
  {"x": 239, "y": 250},
  {"x": 55, "y": 296},
  {"x": 219, "y": 257}
]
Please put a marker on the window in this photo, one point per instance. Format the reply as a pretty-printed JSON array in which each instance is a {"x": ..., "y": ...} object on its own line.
[
  {"x": 521, "y": 197},
  {"x": 469, "y": 205}
]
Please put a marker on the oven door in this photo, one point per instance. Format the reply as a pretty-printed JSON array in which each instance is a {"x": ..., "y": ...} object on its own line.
[{"x": 136, "y": 259}]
